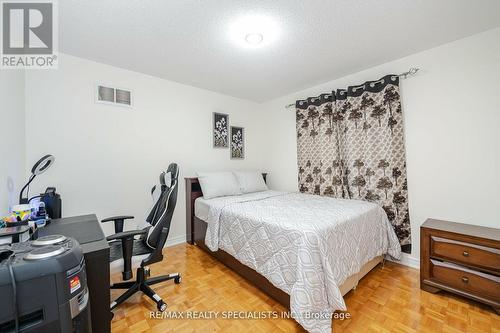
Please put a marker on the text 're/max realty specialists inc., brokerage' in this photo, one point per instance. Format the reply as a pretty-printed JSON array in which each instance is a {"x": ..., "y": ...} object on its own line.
[{"x": 248, "y": 315}]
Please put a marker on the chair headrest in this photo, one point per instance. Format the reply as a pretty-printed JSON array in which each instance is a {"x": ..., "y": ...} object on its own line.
[
  {"x": 162, "y": 178},
  {"x": 173, "y": 170}
]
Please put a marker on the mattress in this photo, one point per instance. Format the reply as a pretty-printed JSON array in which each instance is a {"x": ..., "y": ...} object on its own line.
[
  {"x": 202, "y": 206},
  {"x": 305, "y": 245}
]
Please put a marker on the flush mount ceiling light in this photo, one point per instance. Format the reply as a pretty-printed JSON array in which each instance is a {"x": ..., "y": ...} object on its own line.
[
  {"x": 254, "y": 38},
  {"x": 254, "y": 31}
]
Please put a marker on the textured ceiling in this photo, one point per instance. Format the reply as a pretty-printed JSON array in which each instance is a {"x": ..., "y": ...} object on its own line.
[{"x": 189, "y": 41}]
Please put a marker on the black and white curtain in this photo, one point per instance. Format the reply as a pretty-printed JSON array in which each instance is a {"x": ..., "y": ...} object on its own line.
[{"x": 350, "y": 144}]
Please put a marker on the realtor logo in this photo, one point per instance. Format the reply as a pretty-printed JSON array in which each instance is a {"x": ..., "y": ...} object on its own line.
[{"x": 29, "y": 34}]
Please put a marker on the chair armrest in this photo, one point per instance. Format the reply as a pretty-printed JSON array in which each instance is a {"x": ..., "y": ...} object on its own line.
[
  {"x": 118, "y": 220},
  {"x": 126, "y": 234},
  {"x": 124, "y": 217},
  {"x": 127, "y": 242}
]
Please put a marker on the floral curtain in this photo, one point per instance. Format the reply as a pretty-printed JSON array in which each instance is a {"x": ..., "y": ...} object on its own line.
[{"x": 350, "y": 144}]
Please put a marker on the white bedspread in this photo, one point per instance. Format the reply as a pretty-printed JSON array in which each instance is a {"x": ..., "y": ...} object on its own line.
[{"x": 306, "y": 245}]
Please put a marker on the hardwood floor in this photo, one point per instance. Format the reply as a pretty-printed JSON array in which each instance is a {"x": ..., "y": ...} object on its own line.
[{"x": 388, "y": 299}]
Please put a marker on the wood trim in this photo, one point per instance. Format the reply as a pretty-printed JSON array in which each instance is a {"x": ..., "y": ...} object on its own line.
[
  {"x": 440, "y": 286},
  {"x": 425, "y": 250},
  {"x": 475, "y": 231},
  {"x": 193, "y": 191},
  {"x": 476, "y": 256},
  {"x": 466, "y": 238}
]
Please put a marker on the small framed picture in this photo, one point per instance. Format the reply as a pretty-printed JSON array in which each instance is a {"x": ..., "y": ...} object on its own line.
[
  {"x": 237, "y": 142},
  {"x": 220, "y": 130}
]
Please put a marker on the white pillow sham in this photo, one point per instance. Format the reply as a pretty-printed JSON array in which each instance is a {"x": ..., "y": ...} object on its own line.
[
  {"x": 250, "y": 181},
  {"x": 218, "y": 184}
]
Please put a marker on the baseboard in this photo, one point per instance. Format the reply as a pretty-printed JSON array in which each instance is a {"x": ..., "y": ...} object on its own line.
[
  {"x": 407, "y": 260},
  {"x": 171, "y": 241}
]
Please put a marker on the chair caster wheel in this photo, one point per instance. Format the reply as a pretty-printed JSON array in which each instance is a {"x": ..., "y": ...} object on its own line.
[
  {"x": 178, "y": 280},
  {"x": 162, "y": 306},
  {"x": 147, "y": 272}
]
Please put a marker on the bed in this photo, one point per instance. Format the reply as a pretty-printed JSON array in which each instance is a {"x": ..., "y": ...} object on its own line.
[{"x": 305, "y": 251}]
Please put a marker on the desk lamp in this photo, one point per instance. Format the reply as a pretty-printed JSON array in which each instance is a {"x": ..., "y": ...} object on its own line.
[{"x": 40, "y": 167}]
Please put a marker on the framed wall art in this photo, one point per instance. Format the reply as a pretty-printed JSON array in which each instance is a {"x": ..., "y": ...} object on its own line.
[
  {"x": 237, "y": 142},
  {"x": 220, "y": 130}
]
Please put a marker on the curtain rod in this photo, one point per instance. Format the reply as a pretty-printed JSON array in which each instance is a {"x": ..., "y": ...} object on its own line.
[{"x": 404, "y": 75}]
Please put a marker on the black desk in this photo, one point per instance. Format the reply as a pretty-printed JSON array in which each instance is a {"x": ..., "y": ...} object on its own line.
[{"x": 87, "y": 231}]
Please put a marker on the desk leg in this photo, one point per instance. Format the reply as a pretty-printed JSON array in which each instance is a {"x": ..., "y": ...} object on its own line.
[{"x": 97, "y": 266}]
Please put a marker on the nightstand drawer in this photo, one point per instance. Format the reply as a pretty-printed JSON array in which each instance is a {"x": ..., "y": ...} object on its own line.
[
  {"x": 468, "y": 254},
  {"x": 463, "y": 259},
  {"x": 466, "y": 280}
]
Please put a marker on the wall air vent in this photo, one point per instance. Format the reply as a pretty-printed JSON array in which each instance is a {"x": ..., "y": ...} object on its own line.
[
  {"x": 122, "y": 96},
  {"x": 113, "y": 96}
]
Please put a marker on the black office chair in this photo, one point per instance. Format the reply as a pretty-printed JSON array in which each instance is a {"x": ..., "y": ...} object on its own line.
[{"x": 139, "y": 248}]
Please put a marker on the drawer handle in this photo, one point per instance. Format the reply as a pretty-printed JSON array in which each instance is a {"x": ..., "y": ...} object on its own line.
[
  {"x": 465, "y": 279},
  {"x": 465, "y": 254}
]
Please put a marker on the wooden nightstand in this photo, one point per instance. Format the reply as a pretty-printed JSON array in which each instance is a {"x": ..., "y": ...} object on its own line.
[{"x": 461, "y": 258}]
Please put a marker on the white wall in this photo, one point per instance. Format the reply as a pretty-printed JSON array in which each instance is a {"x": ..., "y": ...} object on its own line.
[
  {"x": 452, "y": 119},
  {"x": 12, "y": 143},
  {"x": 109, "y": 157}
]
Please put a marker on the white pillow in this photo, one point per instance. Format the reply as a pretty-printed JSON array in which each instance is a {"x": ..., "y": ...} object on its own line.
[
  {"x": 218, "y": 184},
  {"x": 250, "y": 181}
]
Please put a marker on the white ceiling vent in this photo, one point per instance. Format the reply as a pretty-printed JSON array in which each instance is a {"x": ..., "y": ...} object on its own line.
[{"x": 113, "y": 96}]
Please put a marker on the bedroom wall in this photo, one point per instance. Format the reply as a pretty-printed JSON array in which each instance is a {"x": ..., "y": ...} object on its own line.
[
  {"x": 12, "y": 144},
  {"x": 109, "y": 157},
  {"x": 452, "y": 113}
]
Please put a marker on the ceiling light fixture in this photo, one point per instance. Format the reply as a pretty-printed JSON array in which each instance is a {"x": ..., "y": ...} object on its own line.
[
  {"x": 254, "y": 38},
  {"x": 254, "y": 31}
]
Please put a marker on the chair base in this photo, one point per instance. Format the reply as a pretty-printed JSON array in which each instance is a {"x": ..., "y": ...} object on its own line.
[{"x": 143, "y": 283}]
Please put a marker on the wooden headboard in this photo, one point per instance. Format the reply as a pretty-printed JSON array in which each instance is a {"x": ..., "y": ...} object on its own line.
[{"x": 193, "y": 192}]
